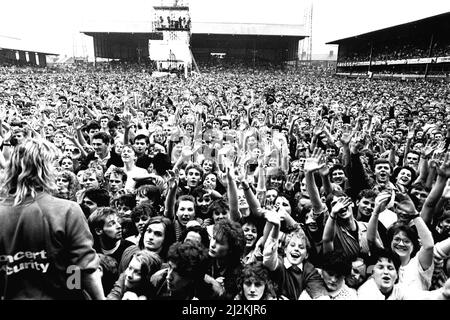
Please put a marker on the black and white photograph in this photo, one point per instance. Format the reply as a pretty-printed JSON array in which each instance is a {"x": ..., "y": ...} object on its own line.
[{"x": 226, "y": 156}]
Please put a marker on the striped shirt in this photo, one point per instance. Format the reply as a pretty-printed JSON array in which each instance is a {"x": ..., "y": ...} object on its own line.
[{"x": 439, "y": 277}]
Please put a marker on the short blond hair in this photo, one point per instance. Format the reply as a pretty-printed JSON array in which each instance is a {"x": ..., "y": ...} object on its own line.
[{"x": 299, "y": 234}]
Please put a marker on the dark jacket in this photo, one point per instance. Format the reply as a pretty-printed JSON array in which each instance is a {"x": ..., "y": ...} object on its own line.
[
  {"x": 124, "y": 244},
  {"x": 39, "y": 240},
  {"x": 114, "y": 159},
  {"x": 230, "y": 275},
  {"x": 293, "y": 282}
]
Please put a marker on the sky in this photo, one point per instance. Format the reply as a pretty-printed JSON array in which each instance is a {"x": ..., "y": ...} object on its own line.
[{"x": 55, "y": 26}]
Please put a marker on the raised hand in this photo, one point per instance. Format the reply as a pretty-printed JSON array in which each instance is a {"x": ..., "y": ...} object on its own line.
[
  {"x": 126, "y": 120},
  {"x": 77, "y": 123},
  {"x": 71, "y": 133},
  {"x": 382, "y": 200},
  {"x": 346, "y": 136},
  {"x": 290, "y": 182},
  {"x": 406, "y": 207},
  {"x": 440, "y": 149},
  {"x": 273, "y": 217},
  {"x": 411, "y": 131},
  {"x": 444, "y": 169},
  {"x": 229, "y": 170},
  {"x": 433, "y": 163},
  {"x": 240, "y": 174},
  {"x": 222, "y": 176},
  {"x": 315, "y": 161},
  {"x": 437, "y": 157},
  {"x": 428, "y": 149},
  {"x": 319, "y": 127},
  {"x": 173, "y": 178},
  {"x": 341, "y": 205}
]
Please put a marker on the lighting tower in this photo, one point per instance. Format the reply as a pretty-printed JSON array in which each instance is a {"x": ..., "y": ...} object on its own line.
[
  {"x": 310, "y": 31},
  {"x": 172, "y": 18},
  {"x": 307, "y": 42}
]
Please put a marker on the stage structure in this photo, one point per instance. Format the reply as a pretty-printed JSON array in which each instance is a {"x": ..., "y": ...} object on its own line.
[
  {"x": 170, "y": 41},
  {"x": 172, "y": 53}
]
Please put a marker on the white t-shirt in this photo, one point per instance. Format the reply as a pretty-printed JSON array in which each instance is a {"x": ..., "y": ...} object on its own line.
[
  {"x": 413, "y": 276},
  {"x": 135, "y": 172}
]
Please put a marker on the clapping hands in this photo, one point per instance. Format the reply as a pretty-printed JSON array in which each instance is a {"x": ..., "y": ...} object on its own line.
[{"x": 381, "y": 201}]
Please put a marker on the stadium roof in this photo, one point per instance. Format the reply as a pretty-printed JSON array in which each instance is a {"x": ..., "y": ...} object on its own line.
[
  {"x": 118, "y": 26},
  {"x": 124, "y": 35},
  {"x": 200, "y": 28},
  {"x": 444, "y": 17},
  {"x": 11, "y": 43},
  {"x": 248, "y": 29}
]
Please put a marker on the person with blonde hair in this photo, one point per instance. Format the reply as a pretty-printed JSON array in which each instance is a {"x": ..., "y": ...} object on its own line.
[
  {"x": 46, "y": 248},
  {"x": 292, "y": 272},
  {"x": 67, "y": 184},
  {"x": 134, "y": 283}
]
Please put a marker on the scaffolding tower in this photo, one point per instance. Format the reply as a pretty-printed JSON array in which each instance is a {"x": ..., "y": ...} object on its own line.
[{"x": 172, "y": 19}]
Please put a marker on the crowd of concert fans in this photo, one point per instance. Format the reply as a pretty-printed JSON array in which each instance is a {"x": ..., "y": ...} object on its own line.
[
  {"x": 236, "y": 183},
  {"x": 398, "y": 51}
]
